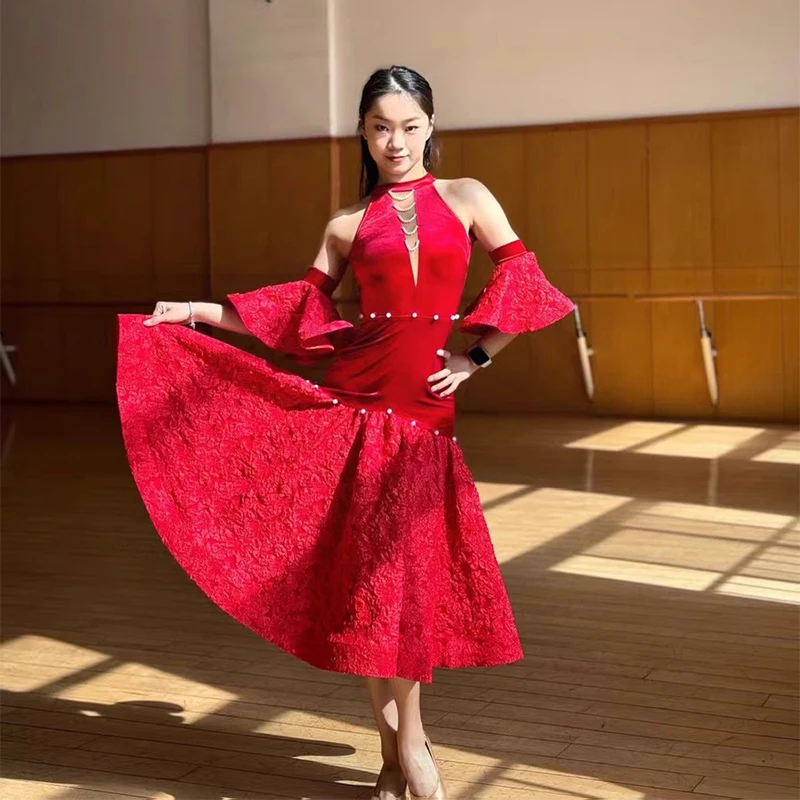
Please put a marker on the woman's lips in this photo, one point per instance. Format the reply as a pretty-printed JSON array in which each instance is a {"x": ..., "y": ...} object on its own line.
[{"x": 396, "y": 158}]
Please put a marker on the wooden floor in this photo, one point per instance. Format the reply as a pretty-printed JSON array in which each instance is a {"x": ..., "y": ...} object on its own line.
[{"x": 652, "y": 570}]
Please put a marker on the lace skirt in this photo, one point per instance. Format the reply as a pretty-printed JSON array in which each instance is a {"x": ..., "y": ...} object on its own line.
[{"x": 354, "y": 541}]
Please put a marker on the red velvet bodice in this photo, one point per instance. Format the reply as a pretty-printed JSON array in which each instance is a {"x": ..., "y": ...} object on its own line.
[
  {"x": 383, "y": 362},
  {"x": 386, "y": 361}
]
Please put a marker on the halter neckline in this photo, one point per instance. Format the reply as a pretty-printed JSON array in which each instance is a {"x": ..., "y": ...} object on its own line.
[{"x": 404, "y": 186}]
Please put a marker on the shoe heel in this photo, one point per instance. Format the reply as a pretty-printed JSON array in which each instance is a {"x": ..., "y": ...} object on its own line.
[{"x": 439, "y": 792}]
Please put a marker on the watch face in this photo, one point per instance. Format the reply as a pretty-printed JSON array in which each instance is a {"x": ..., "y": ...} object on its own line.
[{"x": 479, "y": 356}]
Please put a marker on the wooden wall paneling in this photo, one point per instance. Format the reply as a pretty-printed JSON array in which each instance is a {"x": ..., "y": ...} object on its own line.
[
  {"x": 555, "y": 369},
  {"x": 745, "y": 192},
  {"x": 269, "y": 206},
  {"x": 789, "y": 177},
  {"x": 180, "y": 224},
  {"x": 498, "y": 161},
  {"x": 791, "y": 360},
  {"x": 679, "y": 383},
  {"x": 681, "y": 259},
  {"x": 618, "y": 259},
  {"x": 556, "y": 364},
  {"x": 679, "y": 195},
  {"x": 451, "y": 156},
  {"x": 31, "y": 267},
  {"x": 617, "y": 197},
  {"x": 298, "y": 205},
  {"x": 40, "y": 361},
  {"x": 749, "y": 338},
  {"x": 83, "y": 235},
  {"x": 747, "y": 258},
  {"x": 239, "y": 233},
  {"x": 89, "y": 352},
  {"x": 64, "y": 354},
  {"x": 623, "y": 345},
  {"x": 349, "y": 171},
  {"x": 239, "y": 243},
  {"x": 125, "y": 267},
  {"x": 655, "y": 205},
  {"x": 556, "y": 228}
]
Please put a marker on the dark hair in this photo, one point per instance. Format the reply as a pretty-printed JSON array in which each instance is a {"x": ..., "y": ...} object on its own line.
[{"x": 393, "y": 80}]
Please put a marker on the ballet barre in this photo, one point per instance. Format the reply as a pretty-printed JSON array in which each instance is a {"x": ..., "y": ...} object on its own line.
[
  {"x": 8, "y": 367},
  {"x": 707, "y": 348}
]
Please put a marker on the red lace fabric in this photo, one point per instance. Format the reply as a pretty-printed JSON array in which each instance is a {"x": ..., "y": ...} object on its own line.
[
  {"x": 340, "y": 521},
  {"x": 517, "y": 297},
  {"x": 297, "y": 318}
]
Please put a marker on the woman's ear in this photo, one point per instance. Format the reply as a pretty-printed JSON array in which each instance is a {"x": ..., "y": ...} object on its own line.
[{"x": 430, "y": 124}]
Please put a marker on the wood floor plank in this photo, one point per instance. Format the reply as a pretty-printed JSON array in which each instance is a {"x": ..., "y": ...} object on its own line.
[
  {"x": 747, "y": 790},
  {"x": 28, "y": 790},
  {"x": 120, "y": 679}
]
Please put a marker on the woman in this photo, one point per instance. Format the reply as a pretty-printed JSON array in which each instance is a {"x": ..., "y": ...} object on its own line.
[{"x": 339, "y": 521}]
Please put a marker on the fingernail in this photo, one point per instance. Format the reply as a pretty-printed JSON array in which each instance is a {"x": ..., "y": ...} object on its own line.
[{"x": 440, "y": 352}]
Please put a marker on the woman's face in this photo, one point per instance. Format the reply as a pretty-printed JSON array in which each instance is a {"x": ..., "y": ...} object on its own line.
[{"x": 396, "y": 130}]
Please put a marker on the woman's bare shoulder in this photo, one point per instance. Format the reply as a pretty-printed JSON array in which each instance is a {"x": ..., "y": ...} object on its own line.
[
  {"x": 344, "y": 223},
  {"x": 465, "y": 189}
]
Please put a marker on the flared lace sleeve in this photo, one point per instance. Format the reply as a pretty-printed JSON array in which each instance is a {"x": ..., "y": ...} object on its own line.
[
  {"x": 517, "y": 298},
  {"x": 297, "y": 318}
]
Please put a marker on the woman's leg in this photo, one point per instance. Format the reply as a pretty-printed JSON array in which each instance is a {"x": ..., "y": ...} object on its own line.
[
  {"x": 415, "y": 760},
  {"x": 391, "y": 783}
]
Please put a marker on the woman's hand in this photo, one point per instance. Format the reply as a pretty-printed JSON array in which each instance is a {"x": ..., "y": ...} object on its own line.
[
  {"x": 457, "y": 368},
  {"x": 168, "y": 312}
]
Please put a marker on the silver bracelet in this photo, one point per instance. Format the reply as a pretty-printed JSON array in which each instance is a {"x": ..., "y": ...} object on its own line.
[{"x": 191, "y": 316}]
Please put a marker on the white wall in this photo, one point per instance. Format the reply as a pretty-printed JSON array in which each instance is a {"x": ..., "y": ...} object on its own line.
[
  {"x": 269, "y": 69},
  {"x": 88, "y": 75},
  {"x": 510, "y": 62}
]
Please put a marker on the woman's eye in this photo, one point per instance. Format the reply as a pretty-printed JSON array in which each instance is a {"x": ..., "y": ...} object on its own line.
[
  {"x": 382, "y": 128},
  {"x": 412, "y": 127}
]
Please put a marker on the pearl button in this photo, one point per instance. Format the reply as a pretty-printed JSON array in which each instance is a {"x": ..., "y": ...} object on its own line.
[
  {"x": 456, "y": 316},
  {"x": 388, "y": 314},
  {"x": 361, "y": 316},
  {"x": 388, "y": 410},
  {"x": 335, "y": 401},
  {"x": 436, "y": 316},
  {"x": 414, "y": 314},
  {"x": 436, "y": 432},
  {"x": 316, "y": 386},
  {"x": 413, "y": 423},
  {"x": 363, "y": 410},
  {"x": 372, "y": 315},
  {"x": 454, "y": 438}
]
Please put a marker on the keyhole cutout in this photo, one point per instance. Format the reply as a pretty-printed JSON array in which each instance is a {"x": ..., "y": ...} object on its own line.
[{"x": 405, "y": 206}]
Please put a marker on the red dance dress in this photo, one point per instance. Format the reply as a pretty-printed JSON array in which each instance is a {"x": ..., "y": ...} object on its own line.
[{"x": 338, "y": 521}]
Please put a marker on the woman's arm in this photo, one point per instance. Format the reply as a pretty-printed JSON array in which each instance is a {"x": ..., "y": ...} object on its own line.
[{"x": 491, "y": 227}]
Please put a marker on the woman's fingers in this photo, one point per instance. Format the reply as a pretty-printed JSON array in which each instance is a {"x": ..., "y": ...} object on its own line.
[
  {"x": 166, "y": 312},
  {"x": 443, "y": 353},
  {"x": 440, "y": 374},
  {"x": 446, "y": 382},
  {"x": 450, "y": 389}
]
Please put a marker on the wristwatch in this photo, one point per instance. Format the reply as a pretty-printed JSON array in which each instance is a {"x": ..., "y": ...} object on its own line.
[{"x": 479, "y": 357}]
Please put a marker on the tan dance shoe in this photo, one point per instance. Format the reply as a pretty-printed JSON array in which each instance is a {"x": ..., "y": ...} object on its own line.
[
  {"x": 439, "y": 792},
  {"x": 376, "y": 793}
]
